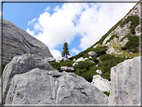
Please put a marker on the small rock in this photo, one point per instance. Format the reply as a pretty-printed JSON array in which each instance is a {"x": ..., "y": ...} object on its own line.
[
  {"x": 99, "y": 71},
  {"x": 59, "y": 59},
  {"x": 92, "y": 54},
  {"x": 50, "y": 59}
]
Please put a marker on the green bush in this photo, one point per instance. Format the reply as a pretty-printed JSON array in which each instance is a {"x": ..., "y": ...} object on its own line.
[
  {"x": 84, "y": 64},
  {"x": 2, "y": 67},
  {"x": 106, "y": 57},
  {"x": 95, "y": 60},
  {"x": 132, "y": 44},
  {"x": 100, "y": 50},
  {"x": 66, "y": 63},
  {"x": 106, "y": 66},
  {"x": 56, "y": 65},
  {"x": 107, "y": 93}
]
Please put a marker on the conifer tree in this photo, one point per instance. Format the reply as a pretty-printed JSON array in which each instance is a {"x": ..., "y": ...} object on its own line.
[{"x": 65, "y": 50}]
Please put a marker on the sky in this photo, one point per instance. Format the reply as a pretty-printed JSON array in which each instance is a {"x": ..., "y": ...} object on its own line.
[{"x": 79, "y": 24}]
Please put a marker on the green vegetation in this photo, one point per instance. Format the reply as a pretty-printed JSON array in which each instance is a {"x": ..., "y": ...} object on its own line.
[
  {"x": 108, "y": 61},
  {"x": 100, "y": 50},
  {"x": 134, "y": 22},
  {"x": 66, "y": 63},
  {"x": 107, "y": 93},
  {"x": 65, "y": 50},
  {"x": 132, "y": 45},
  {"x": 56, "y": 65},
  {"x": 2, "y": 67},
  {"x": 95, "y": 60},
  {"x": 111, "y": 38}
]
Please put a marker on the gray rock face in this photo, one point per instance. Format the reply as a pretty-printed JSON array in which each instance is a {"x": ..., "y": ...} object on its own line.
[
  {"x": 125, "y": 82},
  {"x": 92, "y": 54},
  {"x": 50, "y": 59},
  {"x": 34, "y": 81},
  {"x": 22, "y": 64},
  {"x": 28, "y": 79},
  {"x": 17, "y": 42},
  {"x": 51, "y": 87},
  {"x": 66, "y": 68}
]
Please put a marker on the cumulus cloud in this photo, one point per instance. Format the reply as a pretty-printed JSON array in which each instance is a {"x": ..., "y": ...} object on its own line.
[
  {"x": 91, "y": 21},
  {"x": 55, "y": 53},
  {"x": 48, "y": 8},
  {"x": 74, "y": 50}
]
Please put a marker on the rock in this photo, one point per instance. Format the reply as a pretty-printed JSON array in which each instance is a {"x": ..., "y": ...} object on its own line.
[
  {"x": 66, "y": 68},
  {"x": 74, "y": 64},
  {"x": 22, "y": 64},
  {"x": 50, "y": 59},
  {"x": 59, "y": 59},
  {"x": 74, "y": 59},
  {"x": 17, "y": 42},
  {"x": 101, "y": 83},
  {"x": 90, "y": 57},
  {"x": 92, "y": 54},
  {"x": 125, "y": 83},
  {"x": 99, "y": 71},
  {"x": 78, "y": 60},
  {"x": 34, "y": 81}
]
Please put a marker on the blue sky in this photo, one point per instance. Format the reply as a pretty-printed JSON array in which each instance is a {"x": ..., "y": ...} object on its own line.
[{"x": 79, "y": 24}]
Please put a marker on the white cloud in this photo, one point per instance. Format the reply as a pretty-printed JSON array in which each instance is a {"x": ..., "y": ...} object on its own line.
[
  {"x": 74, "y": 50},
  {"x": 55, "y": 53},
  {"x": 48, "y": 8},
  {"x": 31, "y": 22},
  {"x": 92, "y": 22},
  {"x": 30, "y": 32}
]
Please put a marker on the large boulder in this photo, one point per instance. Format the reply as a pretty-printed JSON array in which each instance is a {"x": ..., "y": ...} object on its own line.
[
  {"x": 31, "y": 80},
  {"x": 125, "y": 82},
  {"x": 92, "y": 54},
  {"x": 17, "y": 42},
  {"x": 101, "y": 83},
  {"x": 22, "y": 64}
]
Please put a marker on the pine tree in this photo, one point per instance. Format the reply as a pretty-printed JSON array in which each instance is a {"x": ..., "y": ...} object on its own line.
[{"x": 65, "y": 50}]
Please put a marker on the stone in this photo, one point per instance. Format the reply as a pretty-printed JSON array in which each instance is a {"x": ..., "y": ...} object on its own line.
[
  {"x": 74, "y": 59},
  {"x": 22, "y": 64},
  {"x": 17, "y": 42},
  {"x": 34, "y": 81},
  {"x": 101, "y": 83},
  {"x": 98, "y": 71},
  {"x": 66, "y": 68},
  {"x": 92, "y": 54},
  {"x": 125, "y": 82},
  {"x": 59, "y": 59},
  {"x": 50, "y": 59}
]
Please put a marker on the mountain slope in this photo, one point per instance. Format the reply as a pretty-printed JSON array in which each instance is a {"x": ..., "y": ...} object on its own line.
[{"x": 17, "y": 42}]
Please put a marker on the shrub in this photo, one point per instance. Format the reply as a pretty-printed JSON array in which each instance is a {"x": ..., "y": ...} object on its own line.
[
  {"x": 2, "y": 67},
  {"x": 100, "y": 50},
  {"x": 95, "y": 60},
  {"x": 107, "y": 93},
  {"x": 56, "y": 65},
  {"x": 84, "y": 64},
  {"x": 132, "y": 44},
  {"x": 66, "y": 63},
  {"x": 106, "y": 57}
]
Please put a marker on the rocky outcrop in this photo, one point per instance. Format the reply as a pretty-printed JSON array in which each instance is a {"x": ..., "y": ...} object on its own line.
[
  {"x": 101, "y": 83},
  {"x": 66, "y": 68},
  {"x": 125, "y": 82},
  {"x": 28, "y": 79},
  {"x": 50, "y": 59},
  {"x": 17, "y": 42},
  {"x": 22, "y": 64},
  {"x": 59, "y": 59},
  {"x": 78, "y": 60},
  {"x": 92, "y": 54}
]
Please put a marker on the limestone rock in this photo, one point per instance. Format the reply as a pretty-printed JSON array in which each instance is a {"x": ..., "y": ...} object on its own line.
[
  {"x": 32, "y": 80},
  {"x": 17, "y": 42},
  {"x": 125, "y": 83},
  {"x": 92, "y": 54},
  {"x": 66, "y": 59},
  {"x": 78, "y": 60},
  {"x": 66, "y": 68},
  {"x": 101, "y": 83},
  {"x": 50, "y": 59},
  {"x": 99, "y": 71},
  {"x": 22, "y": 64},
  {"x": 59, "y": 59}
]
